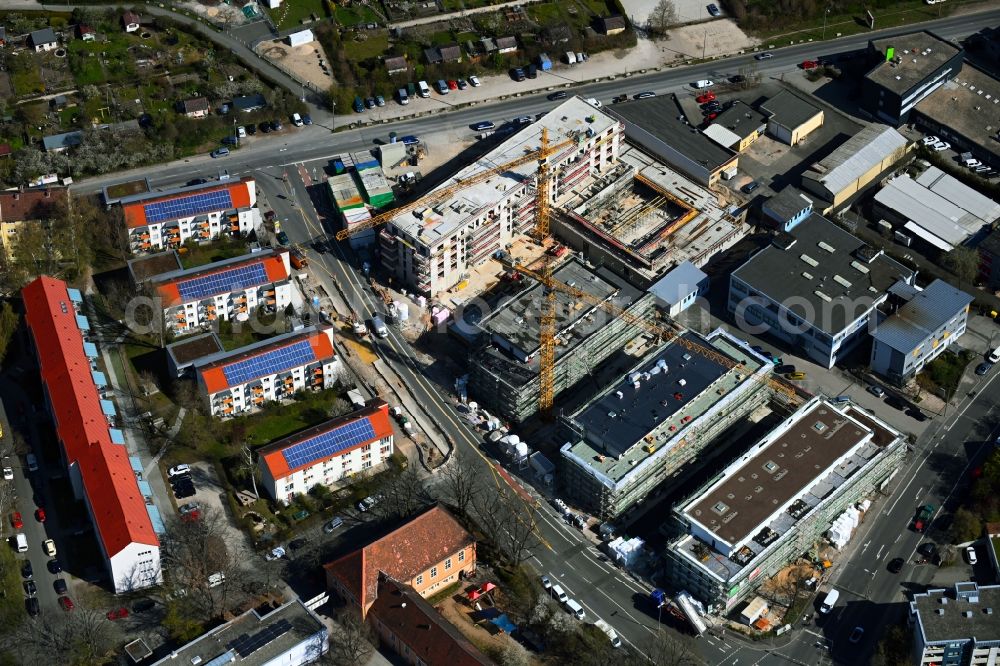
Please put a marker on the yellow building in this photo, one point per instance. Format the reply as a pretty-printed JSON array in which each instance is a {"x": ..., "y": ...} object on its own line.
[{"x": 20, "y": 206}]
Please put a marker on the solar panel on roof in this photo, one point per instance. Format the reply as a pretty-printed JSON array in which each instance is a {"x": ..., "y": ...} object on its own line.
[
  {"x": 268, "y": 363},
  {"x": 246, "y": 645},
  {"x": 234, "y": 279},
  {"x": 187, "y": 206},
  {"x": 328, "y": 443}
]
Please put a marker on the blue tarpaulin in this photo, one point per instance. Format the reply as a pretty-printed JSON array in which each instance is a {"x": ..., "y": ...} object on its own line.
[
  {"x": 108, "y": 408},
  {"x": 75, "y": 295},
  {"x": 82, "y": 322},
  {"x": 117, "y": 436},
  {"x": 90, "y": 349},
  {"x": 99, "y": 378}
]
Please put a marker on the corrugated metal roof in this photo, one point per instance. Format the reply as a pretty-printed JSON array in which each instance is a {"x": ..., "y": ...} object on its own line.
[
  {"x": 916, "y": 321},
  {"x": 857, "y": 156},
  {"x": 960, "y": 194}
]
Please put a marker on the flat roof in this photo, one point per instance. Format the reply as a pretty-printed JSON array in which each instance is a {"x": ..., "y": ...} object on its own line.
[
  {"x": 664, "y": 119},
  {"x": 856, "y": 157},
  {"x": 959, "y": 618},
  {"x": 918, "y": 320},
  {"x": 251, "y": 639},
  {"x": 968, "y": 105},
  {"x": 789, "y": 110},
  {"x": 573, "y": 118},
  {"x": 917, "y": 55},
  {"x": 191, "y": 349},
  {"x": 741, "y": 119},
  {"x": 613, "y": 431},
  {"x": 826, "y": 268},
  {"x": 145, "y": 267},
  {"x": 773, "y": 474}
]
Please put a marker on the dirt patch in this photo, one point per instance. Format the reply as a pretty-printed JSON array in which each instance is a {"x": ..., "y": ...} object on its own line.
[{"x": 307, "y": 62}]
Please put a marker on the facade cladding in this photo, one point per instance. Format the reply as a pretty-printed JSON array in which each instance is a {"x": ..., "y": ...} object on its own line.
[
  {"x": 772, "y": 504},
  {"x": 815, "y": 288},
  {"x": 909, "y": 68},
  {"x": 613, "y": 460},
  {"x": 504, "y": 373}
]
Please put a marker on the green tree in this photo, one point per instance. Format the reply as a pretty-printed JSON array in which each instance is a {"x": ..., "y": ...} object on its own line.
[
  {"x": 965, "y": 526},
  {"x": 8, "y": 324}
]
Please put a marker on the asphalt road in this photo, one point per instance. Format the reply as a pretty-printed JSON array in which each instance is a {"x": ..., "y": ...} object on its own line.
[{"x": 317, "y": 142}]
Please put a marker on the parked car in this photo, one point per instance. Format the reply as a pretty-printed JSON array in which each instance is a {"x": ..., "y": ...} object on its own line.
[
  {"x": 714, "y": 10},
  {"x": 178, "y": 470},
  {"x": 474, "y": 80}
]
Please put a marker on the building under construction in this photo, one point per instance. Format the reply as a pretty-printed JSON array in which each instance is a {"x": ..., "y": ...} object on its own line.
[
  {"x": 431, "y": 249},
  {"x": 657, "y": 421},
  {"x": 641, "y": 218},
  {"x": 504, "y": 374}
]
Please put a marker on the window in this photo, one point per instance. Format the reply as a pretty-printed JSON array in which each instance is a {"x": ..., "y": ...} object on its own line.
[
  {"x": 420, "y": 579},
  {"x": 434, "y": 572}
]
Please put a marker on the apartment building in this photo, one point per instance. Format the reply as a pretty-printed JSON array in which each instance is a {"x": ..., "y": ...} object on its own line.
[
  {"x": 241, "y": 381},
  {"x": 163, "y": 220},
  {"x": 431, "y": 249},
  {"x": 771, "y": 505},
  {"x": 658, "y": 421},
  {"x": 427, "y": 553},
  {"x": 231, "y": 289},
  {"x": 94, "y": 452},
  {"x": 327, "y": 453}
]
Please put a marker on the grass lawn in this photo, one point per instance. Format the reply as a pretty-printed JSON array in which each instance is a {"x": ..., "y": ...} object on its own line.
[
  {"x": 348, "y": 16},
  {"x": 903, "y": 13},
  {"x": 290, "y": 14},
  {"x": 373, "y": 47}
]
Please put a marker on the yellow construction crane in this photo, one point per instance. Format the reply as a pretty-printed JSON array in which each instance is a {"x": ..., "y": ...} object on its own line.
[
  {"x": 443, "y": 193},
  {"x": 547, "y": 335}
]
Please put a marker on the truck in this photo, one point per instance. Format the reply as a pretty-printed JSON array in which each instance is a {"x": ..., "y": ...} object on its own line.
[{"x": 923, "y": 518}]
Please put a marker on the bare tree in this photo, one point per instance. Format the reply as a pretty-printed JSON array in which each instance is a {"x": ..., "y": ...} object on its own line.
[
  {"x": 662, "y": 18},
  {"x": 82, "y": 637}
]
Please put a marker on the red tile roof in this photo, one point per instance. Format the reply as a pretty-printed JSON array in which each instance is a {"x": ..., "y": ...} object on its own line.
[
  {"x": 402, "y": 554},
  {"x": 239, "y": 191},
  {"x": 375, "y": 412},
  {"x": 213, "y": 375},
  {"x": 416, "y": 624},
  {"x": 275, "y": 269},
  {"x": 26, "y": 205},
  {"x": 119, "y": 510}
]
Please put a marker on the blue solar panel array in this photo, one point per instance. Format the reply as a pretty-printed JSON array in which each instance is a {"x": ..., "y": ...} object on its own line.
[
  {"x": 329, "y": 443},
  {"x": 269, "y": 363},
  {"x": 234, "y": 279},
  {"x": 188, "y": 206}
]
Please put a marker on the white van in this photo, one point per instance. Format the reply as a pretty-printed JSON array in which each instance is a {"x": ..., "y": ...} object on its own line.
[
  {"x": 575, "y": 609},
  {"x": 609, "y": 632},
  {"x": 21, "y": 543},
  {"x": 995, "y": 356},
  {"x": 424, "y": 89},
  {"x": 829, "y": 601},
  {"x": 704, "y": 83},
  {"x": 559, "y": 594},
  {"x": 32, "y": 461}
]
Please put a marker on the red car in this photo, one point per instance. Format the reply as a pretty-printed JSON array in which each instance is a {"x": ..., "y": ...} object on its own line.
[
  {"x": 452, "y": 85},
  {"x": 40, "y": 514},
  {"x": 66, "y": 603},
  {"x": 117, "y": 614},
  {"x": 809, "y": 64},
  {"x": 707, "y": 97},
  {"x": 15, "y": 520}
]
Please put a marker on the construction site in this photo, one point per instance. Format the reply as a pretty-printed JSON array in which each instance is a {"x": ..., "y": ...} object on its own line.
[{"x": 642, "y": 218}]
